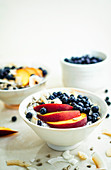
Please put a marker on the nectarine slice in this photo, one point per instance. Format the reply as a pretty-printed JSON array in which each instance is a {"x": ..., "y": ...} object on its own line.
[
  {"x": 24, "y": 75},
  {"x": 39, "y": 72},
  {"x": 71, "y": 123},
  {"x": 31, "y": 70},
  {"x": 53, "y": 107},
  {"x": 59, "y": 116},
  {"x": 6, "y": 131}
]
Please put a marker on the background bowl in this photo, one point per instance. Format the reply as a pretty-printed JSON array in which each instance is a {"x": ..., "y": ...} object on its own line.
[
  {"x": 62, "y": 139},
  {"x": 91, "y": 77},
  {"x": 12, "y": 98}
]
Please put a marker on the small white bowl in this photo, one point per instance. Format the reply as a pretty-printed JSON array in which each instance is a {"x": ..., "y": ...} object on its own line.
[
  {"x": 63, "y": 139},
  {"x": 91, "y": 77},
  {"x": 12, "y": 98}
]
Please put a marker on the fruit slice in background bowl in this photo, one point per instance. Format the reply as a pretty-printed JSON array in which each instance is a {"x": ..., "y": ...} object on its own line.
[
  {"x": 59, "y": 116},
  {"x": 24, "y": 75},
  {"x": 72, "y": 123}
]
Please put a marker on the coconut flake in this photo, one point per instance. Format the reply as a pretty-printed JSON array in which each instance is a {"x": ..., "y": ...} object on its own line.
[
  {"x": 106, "y": 132},
  {"x": 66, "y": 155},
  {"x": 108, "y": 152},
  {"x": 98, "y": 161},
  {"x": 34, "y": 79},
  {"x": 55, "y": 160},
  {"x": 82, "y": 155}
]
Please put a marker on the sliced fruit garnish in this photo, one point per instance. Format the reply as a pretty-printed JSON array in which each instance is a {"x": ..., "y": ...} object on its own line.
[
  {"x": 59, "y": 116},
  {"x": 53, "y": 107},
  {"x": 72, "y": 123}
]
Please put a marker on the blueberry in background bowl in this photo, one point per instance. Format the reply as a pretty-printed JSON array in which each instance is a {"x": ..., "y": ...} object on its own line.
[
  {"x": 85, "y": 70},
  {"x": 19, "y": 80}
]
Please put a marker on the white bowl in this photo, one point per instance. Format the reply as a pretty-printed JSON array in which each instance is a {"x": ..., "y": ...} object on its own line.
[
  {"x": 91, "y": 77},
  {"x": 63, "y": 139},
  {"x": 12, "y": 98}
]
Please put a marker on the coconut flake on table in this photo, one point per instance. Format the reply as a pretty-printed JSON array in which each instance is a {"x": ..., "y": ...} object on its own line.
[{"x": 66, "y": 157}]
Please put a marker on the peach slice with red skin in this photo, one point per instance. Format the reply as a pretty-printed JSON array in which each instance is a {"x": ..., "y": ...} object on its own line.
[
  {"x": 71, "y": 123},
  {"x": 59, "y": 116},
  {"x": 6, "y": 131},
  {"x": 53, "y": 107}
]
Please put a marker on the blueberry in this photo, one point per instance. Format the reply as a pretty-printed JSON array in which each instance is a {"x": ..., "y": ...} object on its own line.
[
  {"x": 108, "y": 103},
  {"x": 14, "y": 118},
  {"x": 81, "y": 104},
  {"x": 88, "y": 110},
  {"x": 39, "y": 122},
  {"x": 72, "y": 99},
  {"x": 20, "y": 67},
  {"x": 83, "y": 100},
  {"x": 64, "y": 100},
  {"x": 87, "y": 105},
  {"x": 8, "y": 85},
  {"x": 40, "y": 68},
  {"x": 85, "y": 97},
  {"x": 5, "y": 88},
  {"x": 80, "y": 108},
  {"x": 108, "y": 115},
  {"x": 55, "y": 94},
  {"x": 10, "y": 77},
  {"x": 14, "y": 88},
  {"x": 78, "y": 100},
  {"x": 44, "y": 72},
  {"x": 72, "y": 58},
  {"x": 75, "y": 106},
  {"x": 88, "y": 61},
  {"x": 84, "y": 110},
  {"x": 79, "y": 96},
  {"x": 66, "y": 59},
  {"x": 59, "y": 93},
  {"x": 13, "y": 67},
  {"x": 8, "y": 68},
  {"x": 43, "y": 110},
  {"x": 95, "y": 115},
  {"x": 89, "y": 118},
  {"x": 93, "y": 61},
  {"x": 94, "y": 119},
  {"x": 95, "y": 109},
  {"x": 106, "y": 91},
  {"x": 29, "y": 115},
  {"x": 65, "y": 94},
  {"x": 60, "y": 96},
  {"x": 107, "y": 98},
  {"x": 51, "y": 97}
]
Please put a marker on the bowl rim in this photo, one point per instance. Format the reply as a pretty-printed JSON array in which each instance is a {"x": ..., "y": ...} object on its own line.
[
  {"x": 36, "y": 85},
  {"x": 105, "y": 60},
  {"x": 62, "y": 129}
]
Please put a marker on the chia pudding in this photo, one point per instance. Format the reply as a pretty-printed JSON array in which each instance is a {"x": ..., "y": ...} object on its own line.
[
  {"x": 62, "y": 109},
  {"x": 13, "y": 77}
]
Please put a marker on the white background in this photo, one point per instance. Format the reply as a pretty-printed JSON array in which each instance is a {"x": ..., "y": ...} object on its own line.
[{"x": 45, "y": 30}]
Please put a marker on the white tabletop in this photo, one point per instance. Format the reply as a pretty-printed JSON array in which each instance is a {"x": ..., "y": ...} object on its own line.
[
  {"x": 26, "y": 145},
  {"x": 43, "y": 31}
]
